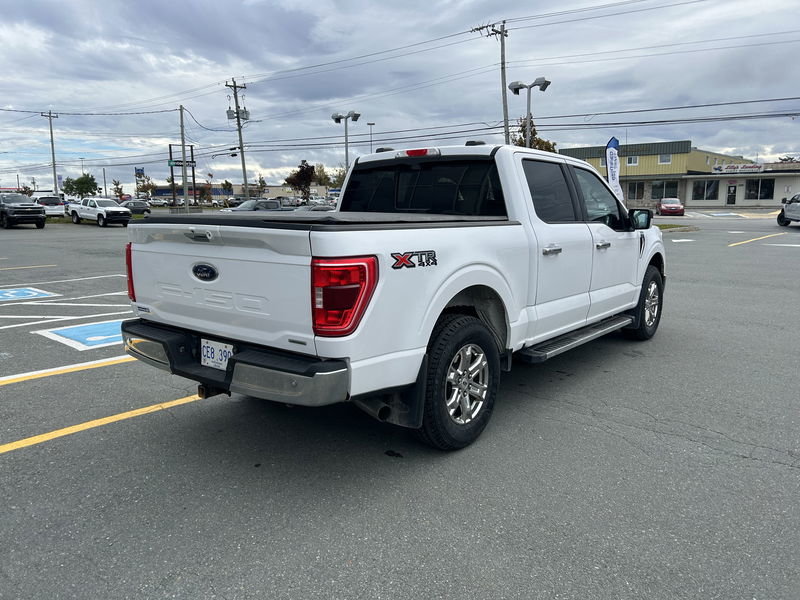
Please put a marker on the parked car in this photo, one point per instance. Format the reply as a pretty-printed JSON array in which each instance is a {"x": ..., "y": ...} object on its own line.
[
  {"x": 254, "y": 204},
  {"x": 156, "y": 201},
  {"x": 53, "y": 205},
  {"x": 137, "y": 207},
  {"x": 19, "y": 208},
  {"x": 101, "y": 210},
  {"x": 790, "y": 211},
  {"x": 670, "y": 206}
]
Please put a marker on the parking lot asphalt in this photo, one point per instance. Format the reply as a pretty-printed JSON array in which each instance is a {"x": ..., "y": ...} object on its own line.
[{"x": 663, "y": 469}]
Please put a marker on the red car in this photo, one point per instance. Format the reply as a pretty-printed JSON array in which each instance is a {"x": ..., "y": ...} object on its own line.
[{"x": 670, "y": 206}]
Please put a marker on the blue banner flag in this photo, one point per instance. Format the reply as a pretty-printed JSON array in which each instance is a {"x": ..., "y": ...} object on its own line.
[{"x": 612, "y": 166}]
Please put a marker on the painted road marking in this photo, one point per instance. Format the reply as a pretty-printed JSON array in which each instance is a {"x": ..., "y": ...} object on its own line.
[
  {"x": 46, "y": 437},
  {"x": 737, "y": 232},
  {"x": 30, "y": 375},
  {"x": 681, "y": 241},
  {"x": 48, "y": 320},
  {"x": 65, "y": 280},
  {"x": 27, "y": 267},
  {"x": 60, "y": 301},
  {"x": 784, "y": 245},
  {"x": 24, "y": 294},
  {"x": 763, "y": 237},
  {"x": 87, "y": 336}
]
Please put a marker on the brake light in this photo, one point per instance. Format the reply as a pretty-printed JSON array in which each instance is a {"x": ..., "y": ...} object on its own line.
[
  {"x": 341, "y": 289},
  {"x": 129, "y": 271},
  {"x": 419, "y": 152}
]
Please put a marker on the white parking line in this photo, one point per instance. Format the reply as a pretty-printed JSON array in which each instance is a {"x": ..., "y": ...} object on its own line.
[
  {"x": 48, "y": 320},
  {"x": 8, "y": 285},
  {"x": 62, "y": 301},
  {"x": 784, "y": 245}
]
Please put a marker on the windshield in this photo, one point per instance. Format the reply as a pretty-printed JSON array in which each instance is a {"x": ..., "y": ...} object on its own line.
[
  {"x": 16, "y": 198},
  {"x": 670, "y": 201},
  {"x": 248, "y": 205},
  {"x": 452, "y": 186},
  {"x": 106, "y": 203},
  {"x": 48, "y": 200}
]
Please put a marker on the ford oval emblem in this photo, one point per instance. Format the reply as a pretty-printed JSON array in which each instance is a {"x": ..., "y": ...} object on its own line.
[{"x": 205, "y": 272}]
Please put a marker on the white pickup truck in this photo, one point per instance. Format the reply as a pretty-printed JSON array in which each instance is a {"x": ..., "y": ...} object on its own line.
[
  {"x": 101, "y": 210},
  {"x": 437, "y": 267}
]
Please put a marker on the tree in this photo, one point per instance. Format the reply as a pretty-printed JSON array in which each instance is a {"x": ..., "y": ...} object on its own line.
[
  {"x": 146, "y": 185},
  {"x": 337, "y": 181},
  {"x": 300, "y": 180},
  {"x": 536, "y": 142},
  {"x": 321, "y": 177},
  {"x": 261, "y": 185},
  {"x": 785, "y": 159},
  {"x": 205, "y": 193},
  {"x": 117, "y": 188},
  {"x": 26, "y": 190},
  {"x": 83, "y": 186},
  {"x": 227, "y": 187}
]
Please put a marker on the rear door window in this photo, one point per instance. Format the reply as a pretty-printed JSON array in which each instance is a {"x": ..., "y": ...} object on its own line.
[
  {"x": 458, "y": 186},
  {"x": 549, "y": 192}
]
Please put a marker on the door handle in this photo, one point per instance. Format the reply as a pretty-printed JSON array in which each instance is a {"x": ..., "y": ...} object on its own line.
[
  {"x": 602, "y": 245},
  {"x": 551, "y": 249}
]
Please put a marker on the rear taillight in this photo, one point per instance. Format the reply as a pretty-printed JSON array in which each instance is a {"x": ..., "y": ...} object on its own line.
[
  {"x": 129, "y": 271},
  {"x": 341, "y": 289}
]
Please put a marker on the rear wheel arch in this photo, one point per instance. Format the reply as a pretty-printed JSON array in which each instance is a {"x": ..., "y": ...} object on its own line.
[{"x": 485, "y": 304}]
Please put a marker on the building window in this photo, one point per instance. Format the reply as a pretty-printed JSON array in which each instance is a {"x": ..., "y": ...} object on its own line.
[
  {"x": 759, "y": 189},
  {"x": 633, "y": 161},
  {"x": 635, "y": 190},
  {"x": 602, "y": 161},
  {"x": 716, "y": 161},
  {"x": 705, "y": 189},
  {"x": 664, "y": 189},
  {"x": 665, "y": 159},
  {"x": 708, "y": 160}
]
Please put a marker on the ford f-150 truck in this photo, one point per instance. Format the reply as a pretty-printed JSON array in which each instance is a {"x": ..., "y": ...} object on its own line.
[
  {"x": 437, "y": 267},
  {"x": 101, "y": 210}
]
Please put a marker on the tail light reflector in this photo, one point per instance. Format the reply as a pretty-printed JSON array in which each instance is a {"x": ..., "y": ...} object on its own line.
[
  {"x": 129, "y": 271},
  {"x": 341, "y": 289}
]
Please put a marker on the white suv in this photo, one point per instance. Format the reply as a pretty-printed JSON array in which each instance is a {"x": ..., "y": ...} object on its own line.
[{"x": 790, "y": 211}]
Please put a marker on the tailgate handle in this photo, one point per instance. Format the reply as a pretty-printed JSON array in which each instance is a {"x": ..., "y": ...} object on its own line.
[{"x": 199, "y": 236}]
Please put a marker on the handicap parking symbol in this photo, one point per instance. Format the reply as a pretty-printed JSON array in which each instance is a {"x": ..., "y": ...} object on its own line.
[
  {"x": 28, "y": 293},
  {"x": 86, "y": 337}
]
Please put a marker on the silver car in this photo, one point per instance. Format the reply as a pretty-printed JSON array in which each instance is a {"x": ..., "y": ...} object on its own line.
[{"x": 790, "y": 211}]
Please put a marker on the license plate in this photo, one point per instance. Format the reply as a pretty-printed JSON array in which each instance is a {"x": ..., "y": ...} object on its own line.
[{"x": 215, "y": 354}]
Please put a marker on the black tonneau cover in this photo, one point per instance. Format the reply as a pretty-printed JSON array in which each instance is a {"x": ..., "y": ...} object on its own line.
[{"x": 326, "y": 221}]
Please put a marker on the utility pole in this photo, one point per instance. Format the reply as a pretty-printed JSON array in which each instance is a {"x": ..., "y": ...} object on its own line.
[
  {"x": 183, "y": 167},
  {"x": 50, "y": 116},
  {"x": 236, "y": 89},
  {"x": 492, "y": 30},
  {"x": 104, "y": 181}
]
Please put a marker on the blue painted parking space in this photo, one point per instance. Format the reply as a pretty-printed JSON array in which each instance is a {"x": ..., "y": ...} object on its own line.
[
  {"x": 26, "y": 293},
  {"x": 88, "y": 336}
]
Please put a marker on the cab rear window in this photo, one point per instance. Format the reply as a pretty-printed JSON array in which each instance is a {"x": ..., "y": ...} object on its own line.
[{"x": 463, "y": 186}]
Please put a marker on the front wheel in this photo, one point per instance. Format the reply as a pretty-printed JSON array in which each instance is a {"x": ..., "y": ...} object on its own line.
[
  {"x": 39, "y": 224},
  {"x": 782, "y": 220},
  {"x": 101, "y": 221},
  {"x": 4, "y": 222},
  {"x": 648, "y": 311},
  {"x": 75, "y": 218},
  {"x": 462, "y": 380}
]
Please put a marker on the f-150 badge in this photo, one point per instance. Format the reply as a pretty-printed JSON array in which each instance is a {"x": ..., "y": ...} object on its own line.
[{"x": 417, "y": 258}]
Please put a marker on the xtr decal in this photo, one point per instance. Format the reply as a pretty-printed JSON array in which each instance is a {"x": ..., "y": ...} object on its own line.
[{"x": 416, "y": 258}]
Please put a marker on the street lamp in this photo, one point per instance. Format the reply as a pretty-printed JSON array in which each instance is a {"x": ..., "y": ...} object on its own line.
[
  {"x": 338, "y": 118},
  {"x": 371, "y": 125},
  {"x": 515, "y": 87}
]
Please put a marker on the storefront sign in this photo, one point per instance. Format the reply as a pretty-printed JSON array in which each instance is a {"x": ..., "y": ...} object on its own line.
[{"x": 745, "y": 168}]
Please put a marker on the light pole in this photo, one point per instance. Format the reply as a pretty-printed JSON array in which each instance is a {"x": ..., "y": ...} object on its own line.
[
  {"x": 515, "y": 87},
  {"x": 371, "y": 125},
  {"x": 338, "y": 118},
  {"x": 82, "y": 171}
]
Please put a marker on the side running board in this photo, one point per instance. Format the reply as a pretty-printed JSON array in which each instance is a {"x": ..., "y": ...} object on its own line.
[{"x": 568, "y": 341}]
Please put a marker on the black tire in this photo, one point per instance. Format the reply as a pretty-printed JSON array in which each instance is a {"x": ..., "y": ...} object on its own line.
[
  {"x": 453, "y": 424},
  {"x": 651, "y": 302},
  {"x": 782, "y": 220},
  {"x": 75, "y": 218},
  {"x": 101, "y": 221},
  {"x": 4, "y": 222},
  {"x": 39, "y": 224},
  {"x": 146, "y": 212},
  {"x": 124, "y": 223}
]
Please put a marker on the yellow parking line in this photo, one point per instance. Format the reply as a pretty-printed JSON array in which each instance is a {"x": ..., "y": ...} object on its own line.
[
  {"x": 45, "y": 437},
  {"x": 68, "y": 369},
  {"x": 28, "y": 267},
  {"x": 763, "y": 237}
]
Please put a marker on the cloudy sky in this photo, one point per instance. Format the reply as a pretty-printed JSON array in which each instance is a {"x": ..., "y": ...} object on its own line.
[{"x": 424, "y": 72}]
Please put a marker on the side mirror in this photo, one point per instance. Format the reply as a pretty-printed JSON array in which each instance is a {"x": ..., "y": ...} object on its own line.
[
  {"x": 641, "y": 218},
  {"x": 783, "y": 200}
]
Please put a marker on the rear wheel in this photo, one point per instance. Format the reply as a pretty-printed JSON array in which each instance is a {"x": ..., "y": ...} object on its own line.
[
  {"x": 782, "y": 220},
  {"x": 462, "y": 380},
  {"x": 648, "y": 311},
  {"x": 75, "y": 218},
  {"x": 101, "y": 221}
]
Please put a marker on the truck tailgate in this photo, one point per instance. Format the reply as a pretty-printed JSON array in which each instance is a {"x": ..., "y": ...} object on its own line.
[{"x": 229, "y": 282}]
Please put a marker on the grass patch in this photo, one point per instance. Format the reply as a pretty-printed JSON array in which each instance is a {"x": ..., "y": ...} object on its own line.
[{"x": 669, "y": 225}]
